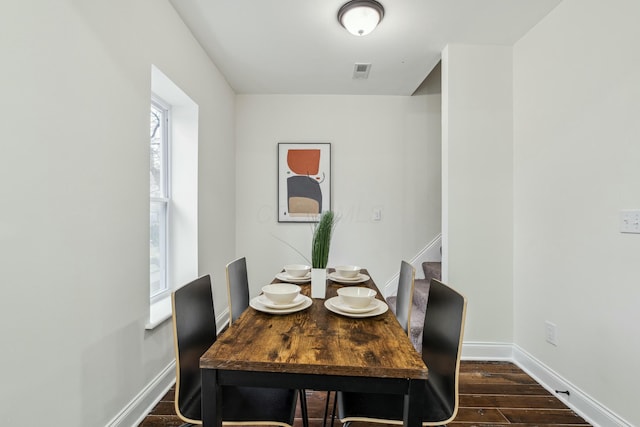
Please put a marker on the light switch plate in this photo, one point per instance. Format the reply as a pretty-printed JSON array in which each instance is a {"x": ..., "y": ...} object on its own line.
[{"x": 630, "y": 221}]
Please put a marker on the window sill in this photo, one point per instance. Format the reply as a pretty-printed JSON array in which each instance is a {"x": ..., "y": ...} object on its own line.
[{"x": 159, "y": 312}]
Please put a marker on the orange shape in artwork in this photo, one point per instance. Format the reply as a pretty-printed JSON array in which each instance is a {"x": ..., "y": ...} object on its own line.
[{"x": 304, "y": 162}]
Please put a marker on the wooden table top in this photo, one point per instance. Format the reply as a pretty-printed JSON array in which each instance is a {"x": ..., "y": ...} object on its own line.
[{"x": 317, "y": 341}]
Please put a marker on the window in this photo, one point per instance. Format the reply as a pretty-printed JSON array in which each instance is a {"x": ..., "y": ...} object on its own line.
[
  {"x": 160, "y": 199},
  {"x": 173, "y": 194}
]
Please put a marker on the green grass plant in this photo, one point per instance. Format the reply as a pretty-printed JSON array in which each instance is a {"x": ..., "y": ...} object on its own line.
[{"x": 322, "y": 240}]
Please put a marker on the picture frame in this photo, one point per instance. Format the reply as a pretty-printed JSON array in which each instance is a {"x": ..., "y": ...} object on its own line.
[{"x": 304, "y": 181}]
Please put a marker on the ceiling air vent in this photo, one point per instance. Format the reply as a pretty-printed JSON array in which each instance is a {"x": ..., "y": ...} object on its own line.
[{"x": 361, "y": 71}]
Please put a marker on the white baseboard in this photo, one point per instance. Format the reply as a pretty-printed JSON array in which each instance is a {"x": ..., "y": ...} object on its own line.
[
  {"x": 583, "y": 404},
  {"x": 487, "y": 351},
  {"x": 431, "y": 252},
  {"x": 580, "y": 402},
  {"x": 222, "y": 319},
  {"x": 140, "y": 406}
]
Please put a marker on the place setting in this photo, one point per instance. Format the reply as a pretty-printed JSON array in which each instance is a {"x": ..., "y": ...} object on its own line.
[
  {"x": 347, "y": 275},
  {"x": 280, "y": 298},
  {"x": 357, "y": 302},
  {"x": 295, "y": 273}
]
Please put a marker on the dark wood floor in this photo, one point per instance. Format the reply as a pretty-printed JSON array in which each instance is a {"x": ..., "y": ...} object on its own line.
[{"x": 491, "y": 394}]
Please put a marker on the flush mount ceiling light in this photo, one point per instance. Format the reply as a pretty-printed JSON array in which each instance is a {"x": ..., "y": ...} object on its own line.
[{"x": 360, "y": 17}]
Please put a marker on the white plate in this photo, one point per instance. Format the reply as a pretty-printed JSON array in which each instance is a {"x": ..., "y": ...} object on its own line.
[
  {"x": 380, "y": 309},
  {"x": 287, "y": 278},
  {"x": 360, "y": 278},
  {"x": 262, "y": 299},
  {"x": 256, "y": 304},
  {"x": 342, "y": 306}
]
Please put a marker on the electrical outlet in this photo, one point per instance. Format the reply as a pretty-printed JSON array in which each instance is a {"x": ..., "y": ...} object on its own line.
[{"x": 551, "y": 333}]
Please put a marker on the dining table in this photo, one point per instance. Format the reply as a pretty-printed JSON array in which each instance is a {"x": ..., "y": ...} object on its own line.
[{"x": 315, "y": 349}]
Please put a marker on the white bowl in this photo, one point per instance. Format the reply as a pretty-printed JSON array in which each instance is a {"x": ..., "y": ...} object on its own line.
[
  {"x": 297, "y": 270},
  {"x": 348, "y": 271},
  {"x": 357, "y": 297},
  {"x": 281, "y": 293}
]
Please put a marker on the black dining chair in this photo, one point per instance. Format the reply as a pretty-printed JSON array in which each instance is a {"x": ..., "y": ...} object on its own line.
[
  {"x": 238, "y": 295},
  {"x": 441, "y": 349},
  {"x": 237, "y": 288},
  {"x": 194, "y": 331},
  {"x": 404, "y": 296}
]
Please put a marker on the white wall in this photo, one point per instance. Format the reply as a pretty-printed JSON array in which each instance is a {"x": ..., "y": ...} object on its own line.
[
  {"x": 384, "y": 155},
  {"x": 477, "y": 204},
  {"x": 577, "y": 157},
  {"x": 74, "y": 188}
]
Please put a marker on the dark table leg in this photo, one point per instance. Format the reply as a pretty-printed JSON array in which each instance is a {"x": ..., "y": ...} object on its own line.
[
  {"x": 211, "y": 399},
  {"x": 413, "y": 404}
]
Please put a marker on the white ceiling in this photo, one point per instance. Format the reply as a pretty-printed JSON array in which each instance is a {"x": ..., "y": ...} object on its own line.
[{"x": 298, "y": 46}]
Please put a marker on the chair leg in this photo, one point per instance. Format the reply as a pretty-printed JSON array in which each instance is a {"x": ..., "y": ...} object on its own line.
[
  {"x": 303, "y": 408},
  {"x": 333, "y": 413},
  {"x": 326, "y": 409}
]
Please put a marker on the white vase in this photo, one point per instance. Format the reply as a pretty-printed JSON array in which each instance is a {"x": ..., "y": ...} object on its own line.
[{"x": 318, "y": 283}]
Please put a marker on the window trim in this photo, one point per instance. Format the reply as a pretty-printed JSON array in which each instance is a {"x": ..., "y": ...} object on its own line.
[{"x": 183, "y": 167}]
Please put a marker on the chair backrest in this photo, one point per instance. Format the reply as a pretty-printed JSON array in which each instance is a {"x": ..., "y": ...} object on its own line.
[
  {"x": 237, "y": 288},
  {"x": 404, "y": 298},
  {"x": 442, "y": 344},
  {"x": 194, "y": 331}
]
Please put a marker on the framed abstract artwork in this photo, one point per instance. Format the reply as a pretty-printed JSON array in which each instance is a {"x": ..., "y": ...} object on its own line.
[{"x": 304, "y": 181}]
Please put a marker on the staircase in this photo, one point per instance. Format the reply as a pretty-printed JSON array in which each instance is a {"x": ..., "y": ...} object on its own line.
[{"x": 420, "y": 295}]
